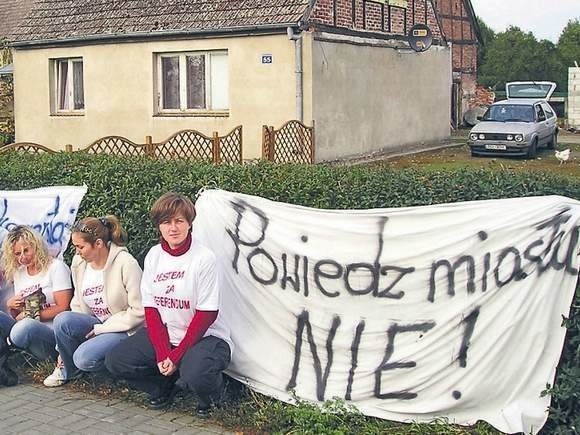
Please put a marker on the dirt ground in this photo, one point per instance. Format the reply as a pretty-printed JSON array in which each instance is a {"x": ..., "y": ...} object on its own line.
[{"x": 457, "y": 154}]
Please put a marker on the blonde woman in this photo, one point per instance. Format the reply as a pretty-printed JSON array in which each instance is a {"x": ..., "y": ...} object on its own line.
[
  {"x": 106, "y": 307},
  {"x": 42, "y": 289}
]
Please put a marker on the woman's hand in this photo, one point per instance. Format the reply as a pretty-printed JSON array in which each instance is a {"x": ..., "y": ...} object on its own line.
[
  {"x": 166, "y": 367},
  {"x": 15, "y": 303},
  {"x": 20, "y": 316},
  {"x": 91, "y": 334}
]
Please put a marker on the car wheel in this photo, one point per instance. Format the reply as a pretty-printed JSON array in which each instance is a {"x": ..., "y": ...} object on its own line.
[
  {"x": 533, "y": 149},
  {"x": 553, "y": 142}
]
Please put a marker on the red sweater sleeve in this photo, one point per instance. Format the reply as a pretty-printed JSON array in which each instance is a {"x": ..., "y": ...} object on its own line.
[
  {"x": 157, "y": 332},
  {"x": 201, "y": 321}
]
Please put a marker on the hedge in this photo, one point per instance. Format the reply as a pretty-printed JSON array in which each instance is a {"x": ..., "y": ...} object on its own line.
[{"x": 128, "y": 186}]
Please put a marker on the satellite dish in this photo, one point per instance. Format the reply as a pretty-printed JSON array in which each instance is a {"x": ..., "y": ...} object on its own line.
[{"x": 420, "y": 37}]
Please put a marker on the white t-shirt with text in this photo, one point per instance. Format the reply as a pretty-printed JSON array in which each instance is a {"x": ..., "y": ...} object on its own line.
[
  {"x": 178, "y": 286},
  {"x": 55, "y": 279},
  {"x": 92, "y": 291}
]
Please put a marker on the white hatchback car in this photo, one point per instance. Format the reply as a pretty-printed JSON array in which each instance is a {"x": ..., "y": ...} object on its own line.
[{"x": 519, "y": 125}]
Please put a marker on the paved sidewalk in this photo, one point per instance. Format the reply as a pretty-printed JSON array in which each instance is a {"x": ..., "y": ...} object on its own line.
[{"x": 34, "y": 409}]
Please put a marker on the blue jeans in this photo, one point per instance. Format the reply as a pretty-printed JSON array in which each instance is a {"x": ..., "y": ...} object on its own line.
[
  {"x": 78, "y": 353},
  {"x": 33, "y": 336}
]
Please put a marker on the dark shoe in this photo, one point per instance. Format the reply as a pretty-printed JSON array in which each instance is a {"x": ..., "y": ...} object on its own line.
[
  {"x": 160, "y": 402},
  {"x": 202, "y": 411}
]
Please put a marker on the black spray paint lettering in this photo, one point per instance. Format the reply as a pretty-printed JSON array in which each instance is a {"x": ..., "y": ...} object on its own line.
[
  {"x": 509, "y": 263},
  {"x": 295, "y": 271},
  {"x": 321, "y": 378},
  {"x": 385, "y": 365},
  {"x": 469, "y": 322},
  {"x": 50, "y": 228},
  {"x": 321, "y": 374}
]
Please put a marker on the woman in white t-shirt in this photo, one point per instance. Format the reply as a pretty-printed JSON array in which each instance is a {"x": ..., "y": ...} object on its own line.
[
  {"x": 106, "y": 307},
  {"x": 186, "y": 344},
  {"x": 42, "y": 289}
]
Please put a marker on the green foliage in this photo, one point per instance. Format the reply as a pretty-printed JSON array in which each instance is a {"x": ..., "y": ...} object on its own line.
[
  {"x": 569, "y": 46},
  {"x": 127, "y": 187},
  {"x": 514, "y": 55}
]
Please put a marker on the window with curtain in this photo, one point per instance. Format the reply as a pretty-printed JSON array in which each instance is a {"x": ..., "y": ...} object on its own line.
[
  {"x": 68, "y": 94},
  {"x": 192, "y": 82}
]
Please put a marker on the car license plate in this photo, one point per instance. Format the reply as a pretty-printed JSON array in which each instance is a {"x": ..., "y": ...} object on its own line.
[{"x": 495, "y": 147}]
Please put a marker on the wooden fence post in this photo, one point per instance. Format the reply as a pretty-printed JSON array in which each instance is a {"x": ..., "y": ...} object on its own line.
[
  {"x": 216, "y": 148},
  {"x": 312, "y": 143},
  {"x": 149, "y": 148},
  {"x": 272, "y": 137},
  {"x": 265, "y": 142},
  {"x": 68, "y": 148}
]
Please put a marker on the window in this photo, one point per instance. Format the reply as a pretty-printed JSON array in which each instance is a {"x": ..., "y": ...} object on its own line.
[
  {"x": 540, "y": 115},
  {"x": 68, "y": 94},
  {"x": 548, "y": 110},
  {"x": 194, "y": 82}
]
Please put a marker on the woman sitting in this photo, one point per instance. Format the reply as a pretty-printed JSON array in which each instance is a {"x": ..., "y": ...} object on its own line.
[
  {"x": 185, "y": 341},
  {"x": 106, "y": 307},
  {"x": 42, "y": 289}
]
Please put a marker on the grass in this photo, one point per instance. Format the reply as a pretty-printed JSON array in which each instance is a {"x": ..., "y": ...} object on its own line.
[
  {"x": 249, "y": 412},
  {"x": 459, "y": 156}
]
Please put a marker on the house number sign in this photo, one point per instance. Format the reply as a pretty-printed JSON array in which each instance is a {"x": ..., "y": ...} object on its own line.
[{"x": 267, "y": 59}]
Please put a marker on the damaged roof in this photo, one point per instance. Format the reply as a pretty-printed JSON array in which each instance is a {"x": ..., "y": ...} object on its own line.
[{"x": 61, "y": 20}]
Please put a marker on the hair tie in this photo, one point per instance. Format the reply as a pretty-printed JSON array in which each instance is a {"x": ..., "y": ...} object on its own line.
[{"x": 104, "y": 222}]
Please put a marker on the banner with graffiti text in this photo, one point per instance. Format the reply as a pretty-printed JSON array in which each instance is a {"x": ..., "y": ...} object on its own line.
[
  {"x": 409, "y": 314},
  {"x": 49, "y": 210}
]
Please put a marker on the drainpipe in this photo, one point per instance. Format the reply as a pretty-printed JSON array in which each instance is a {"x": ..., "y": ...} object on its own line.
[{"x": 297, "y": 38}]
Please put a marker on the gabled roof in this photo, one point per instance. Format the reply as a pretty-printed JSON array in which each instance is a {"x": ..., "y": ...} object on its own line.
[
  {"x": 61, "y": 20},
  {"x": 11, "y": 12}
]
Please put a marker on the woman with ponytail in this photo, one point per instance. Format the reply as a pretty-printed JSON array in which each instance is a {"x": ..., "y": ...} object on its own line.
[{"x": 106, "y": 306}]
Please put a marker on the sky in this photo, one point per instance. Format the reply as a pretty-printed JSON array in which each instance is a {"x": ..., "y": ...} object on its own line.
[{"x": 544, "y": 18}]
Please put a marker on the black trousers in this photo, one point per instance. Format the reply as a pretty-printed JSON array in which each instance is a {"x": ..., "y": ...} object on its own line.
[{"x": 200, "y": 369}]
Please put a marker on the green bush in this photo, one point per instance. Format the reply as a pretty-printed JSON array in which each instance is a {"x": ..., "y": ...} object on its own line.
[{"x": 128, "y": 186}]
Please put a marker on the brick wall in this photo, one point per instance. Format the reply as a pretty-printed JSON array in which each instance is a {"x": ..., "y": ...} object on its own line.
[{"x": 375, "y": 16}]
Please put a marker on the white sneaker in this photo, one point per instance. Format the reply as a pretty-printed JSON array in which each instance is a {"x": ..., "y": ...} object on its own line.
[{"x": 56, "y": 379}]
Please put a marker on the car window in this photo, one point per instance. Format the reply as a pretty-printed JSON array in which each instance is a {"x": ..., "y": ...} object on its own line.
[
  {"x": 509, "y": 113},
  {"x": 540, "y": 112},
  {"x": 548, "y": 110}
]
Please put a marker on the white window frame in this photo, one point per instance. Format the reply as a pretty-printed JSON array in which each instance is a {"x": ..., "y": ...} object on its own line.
[
  {"x": 211, "y": 108},
  {"x": 56, "y": 86}
]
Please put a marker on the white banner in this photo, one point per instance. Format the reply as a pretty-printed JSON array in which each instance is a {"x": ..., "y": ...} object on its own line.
[
  {"x": 49, "y": 210},
  {"x": 410, "y": 314}
]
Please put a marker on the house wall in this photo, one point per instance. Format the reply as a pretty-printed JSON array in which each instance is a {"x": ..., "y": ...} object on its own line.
[
  {"x": 367, "y": 15},
  {"x": 458, "y": 28},
  {"x": 119, "y": 86},
  {"x": 369, "y": 98}
]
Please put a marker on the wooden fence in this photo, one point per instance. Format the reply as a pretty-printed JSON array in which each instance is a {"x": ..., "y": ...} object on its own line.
[
  {"x": 291, "y": 143},
  {"x": 185, "y": 144}
]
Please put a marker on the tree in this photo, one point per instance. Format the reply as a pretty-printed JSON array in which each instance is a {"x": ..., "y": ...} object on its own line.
[
  {"x": 569, "y": 47},
  {"x": 514, "y": 55},
  {"x": 487, "y": 35}
]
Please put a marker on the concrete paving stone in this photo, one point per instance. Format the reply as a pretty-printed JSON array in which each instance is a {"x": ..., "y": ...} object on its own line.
[
  {"x": 35, "y": 409},
  {"x": 185, "y": 419},
  {"x": 102, "y": 409},
  {"x": 71, "y": 419},
  {"x": 24, "y": 425},
  {"x": 13, "y": 404},
  {"x": 47, "y": 415},
  {"x": 118, "y": 417},
  {"x": 82, "y": 425},
  {"x": 13, "y": 420}
]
